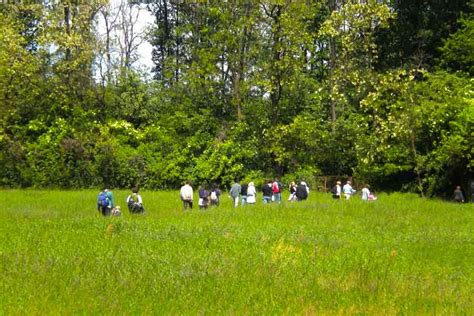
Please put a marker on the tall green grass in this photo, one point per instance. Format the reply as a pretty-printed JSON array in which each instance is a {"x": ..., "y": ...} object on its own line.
[{"x": 399, "y": 254}]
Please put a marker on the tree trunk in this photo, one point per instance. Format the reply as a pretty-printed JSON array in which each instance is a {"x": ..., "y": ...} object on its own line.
[
  {"x": 332, "y": 65},
  {"x": 67, "y": 23},
  {"x": 178, "y": 48},
  {"x": 413, "y": 149},
  {"x": 275, "y": 95},
  {"x": 238, "y": 73}
]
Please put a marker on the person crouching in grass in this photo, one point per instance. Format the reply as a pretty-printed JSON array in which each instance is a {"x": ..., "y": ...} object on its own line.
[
  {"x": 105, "y": 202},
  {"x": 135, "y": 202}
]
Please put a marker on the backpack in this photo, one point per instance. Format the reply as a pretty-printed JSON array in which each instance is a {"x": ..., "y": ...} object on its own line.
[
  {"x": 214, "y": 196},
  {"x": 275, "y": 187},
  {"x": 334, "y": 190},
  {"x": 133, "y": 198},
  {"x": 131, "y": 201},
  {"x": 301, "y": 192},
  {"x": 102, "y": 199},
  {"x": 203, "y": 194}
]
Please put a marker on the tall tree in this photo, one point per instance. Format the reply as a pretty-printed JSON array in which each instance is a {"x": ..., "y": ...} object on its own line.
[
  {"x": 457, "y": 49},
  {"x": 418, "y": 31},
  {"x": 352, "y": 31}
]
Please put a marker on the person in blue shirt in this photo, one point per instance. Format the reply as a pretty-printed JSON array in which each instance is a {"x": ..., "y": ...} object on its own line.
[{"x": 105, "y": 202}]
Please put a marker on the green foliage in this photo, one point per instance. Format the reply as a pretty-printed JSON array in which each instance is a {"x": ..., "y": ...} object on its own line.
[
  {"x": 418, "y": 31},
  {"x": 228, "y": 158},
  {"x": 352, "y": 30},
  {"x": 251, "y": 90},
  {"x": 457, "y": 49},
  {"x": 408, "y": 123}
]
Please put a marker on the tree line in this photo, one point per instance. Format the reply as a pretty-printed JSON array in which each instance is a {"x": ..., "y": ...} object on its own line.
[{"x": 378, "y": 90}]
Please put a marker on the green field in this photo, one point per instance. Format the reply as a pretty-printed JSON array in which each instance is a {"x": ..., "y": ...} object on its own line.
[{"x": 400, "y": 254}]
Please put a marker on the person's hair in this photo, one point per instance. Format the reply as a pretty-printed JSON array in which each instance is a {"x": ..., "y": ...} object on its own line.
[
  {"x": 236, "y": 179},
  {"x": 135, "y": 190}
]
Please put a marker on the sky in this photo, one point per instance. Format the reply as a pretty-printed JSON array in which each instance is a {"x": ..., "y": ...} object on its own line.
[{"x": 145, "y": 20}]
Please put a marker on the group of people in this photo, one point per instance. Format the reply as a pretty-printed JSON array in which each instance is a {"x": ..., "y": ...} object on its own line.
[
  {"x": 106, "y": 205},
  {"x": 243, "y": 193},
  {"x": 271, "y": 192},
  {"x": 207, "y": 196},
  {"x": 348, "y": 191}
]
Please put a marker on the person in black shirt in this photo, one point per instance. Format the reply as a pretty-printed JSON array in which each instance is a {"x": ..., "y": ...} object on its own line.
[
  {"x": 243, "y": 193},
  {"x": 267, "y": 192},
  {"x": 302, "y": 191}
]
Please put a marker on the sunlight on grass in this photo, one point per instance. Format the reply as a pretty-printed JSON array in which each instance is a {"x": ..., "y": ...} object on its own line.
[{"x": 401, "y": 254}]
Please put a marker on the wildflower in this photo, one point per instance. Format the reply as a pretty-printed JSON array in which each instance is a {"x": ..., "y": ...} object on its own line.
[{"x": 110, "y": 229}]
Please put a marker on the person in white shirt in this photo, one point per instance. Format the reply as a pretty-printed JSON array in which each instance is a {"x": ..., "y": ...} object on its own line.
[
  {"x": 336, "y": 191},
  {"x": 365, "y": 192},
  {"x": 135, "y": 202},
  {"x": 348, "y": 190},
  {"x": 251, "y": 193},
  {"x": 186, "y": 195}
]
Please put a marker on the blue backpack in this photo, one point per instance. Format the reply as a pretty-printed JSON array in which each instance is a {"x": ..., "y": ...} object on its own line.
[{"x": 102, "y": 199}]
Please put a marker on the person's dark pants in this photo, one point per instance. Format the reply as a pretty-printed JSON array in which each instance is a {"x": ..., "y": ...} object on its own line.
[
  {"x": 105, "y": 210},
  {"x": 336, "y": 197},
  {"x": 187, "y": 203}
]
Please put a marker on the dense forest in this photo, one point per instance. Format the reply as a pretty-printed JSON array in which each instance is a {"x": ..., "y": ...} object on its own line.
[{"x": 378, "y": 90}]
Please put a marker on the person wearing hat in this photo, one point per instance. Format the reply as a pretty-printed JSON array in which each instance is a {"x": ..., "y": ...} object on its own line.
[
  {"x": 336, "y": 191},
  {"x": 251, "y": 193},
  {"x": 302, "y": 191}
]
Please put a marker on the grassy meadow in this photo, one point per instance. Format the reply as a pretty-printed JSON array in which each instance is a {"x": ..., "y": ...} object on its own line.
[{"x": 398, "y": 255}]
